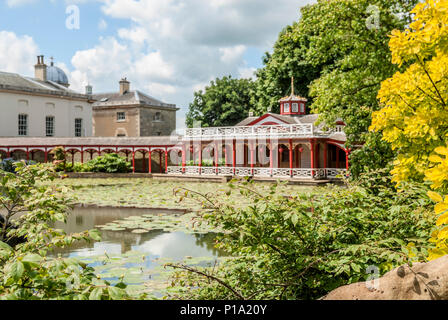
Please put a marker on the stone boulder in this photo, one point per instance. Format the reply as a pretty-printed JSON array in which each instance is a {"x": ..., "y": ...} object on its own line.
[{"x": 424, "y": 281}]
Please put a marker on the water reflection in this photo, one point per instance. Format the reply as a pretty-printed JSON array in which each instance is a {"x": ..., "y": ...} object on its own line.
[{"x": 157, "y": 243}]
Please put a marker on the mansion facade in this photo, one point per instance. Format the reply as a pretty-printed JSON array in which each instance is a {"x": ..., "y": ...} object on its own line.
[{"x": 43, "y": 106}]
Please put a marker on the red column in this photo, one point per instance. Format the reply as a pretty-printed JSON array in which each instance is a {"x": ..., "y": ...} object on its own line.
[
  {"x": 144, "y": 161},
  {"x": 133, "y": 161},
  {"x": 234, "y": 156},
  {"x": 82, "y": 155},
  {"x": 46, "y": 156},
  {"x": 150, "y": 161},
  {"x": 200, "y": 158},
  {"x": 216, "y": 157},
  {"x": 184, "y": 158},
  {"x": 312, "y": 157},
  {"x": 290, "y": 156},
  {"x": 347, "y": 153},
  {"x": 271, "y": 157},
  {"x": 160, "y": 162},
  {"x": 326, "y": 158},
  {"x": 166, "y": 160}
]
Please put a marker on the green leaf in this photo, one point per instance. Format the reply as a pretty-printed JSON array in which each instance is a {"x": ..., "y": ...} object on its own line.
[
  {"x": 116, "y": 293},
  {"x": 96, "y": 294},
  {"x": 33, "y": 259},
  {"x": 4, "y": 246},
  {"x": 16, "y": 270},
  {"x": 95, "y": 234}
]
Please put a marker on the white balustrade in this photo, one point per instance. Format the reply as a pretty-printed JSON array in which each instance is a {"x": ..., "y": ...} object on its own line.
[
  {"x": 294, "y": 130},
  {"x": 315, "y": 174}
]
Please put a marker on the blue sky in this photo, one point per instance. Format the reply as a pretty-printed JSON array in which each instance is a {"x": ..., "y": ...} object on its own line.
[{"x": 167, "y": 49}]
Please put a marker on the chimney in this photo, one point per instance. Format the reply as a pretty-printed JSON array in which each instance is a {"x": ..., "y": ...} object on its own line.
[
  {"x": 40, "y": 69},
  {"x": 125, "y": 86}
]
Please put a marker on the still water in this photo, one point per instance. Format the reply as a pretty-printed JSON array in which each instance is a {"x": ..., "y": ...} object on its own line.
[{"x": 139, "y": 257}]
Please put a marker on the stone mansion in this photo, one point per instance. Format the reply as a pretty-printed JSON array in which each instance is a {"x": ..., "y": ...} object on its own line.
[{"x": 44, "y": 106}]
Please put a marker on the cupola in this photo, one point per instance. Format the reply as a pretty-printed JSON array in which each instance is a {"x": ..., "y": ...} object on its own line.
[{"x": 293, "y": 105}]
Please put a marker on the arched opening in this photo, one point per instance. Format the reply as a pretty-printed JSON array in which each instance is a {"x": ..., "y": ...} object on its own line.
[
  {"x": 336, "y": 157},
  {"x": 3, "y": 155},
  {"x": 37, "y": 155}
]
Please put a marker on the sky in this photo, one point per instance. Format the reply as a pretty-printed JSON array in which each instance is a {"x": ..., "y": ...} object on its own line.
[{"x": 166, "y": 48}]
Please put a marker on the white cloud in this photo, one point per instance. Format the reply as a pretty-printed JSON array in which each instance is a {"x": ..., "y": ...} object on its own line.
[
  {"x": 17, "y": 53},
  {"x": 102, "y": 25},
  {"x": 173, "y": 47},
  {"x": 231, "y": 55},
  {"x": 17, "y": 3},
  {"x": 247, "y": 73}
]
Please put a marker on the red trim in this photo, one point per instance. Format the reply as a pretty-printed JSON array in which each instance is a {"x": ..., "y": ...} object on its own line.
[{"x": 264, "y": 117}]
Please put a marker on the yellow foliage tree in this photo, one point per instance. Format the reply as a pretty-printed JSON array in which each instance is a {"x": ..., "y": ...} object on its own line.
[{"x": 414, "y": 119}]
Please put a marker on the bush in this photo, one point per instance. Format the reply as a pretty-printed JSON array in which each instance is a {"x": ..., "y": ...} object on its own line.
[
  {"x": 9, "y": 164},
  {"x": 110, "y": 163},
  {"x": 26, "y": 272},
  {"x": 304, "y": 246}
]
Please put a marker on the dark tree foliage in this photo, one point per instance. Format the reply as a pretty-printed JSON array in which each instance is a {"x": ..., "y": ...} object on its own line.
[{"x": 225, "y": 102}]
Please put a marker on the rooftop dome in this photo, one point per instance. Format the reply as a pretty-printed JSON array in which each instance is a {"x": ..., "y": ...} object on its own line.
[{"x": 56, "y": 74}]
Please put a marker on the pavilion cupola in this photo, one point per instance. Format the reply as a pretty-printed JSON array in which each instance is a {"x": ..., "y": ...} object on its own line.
[{"x": 293, "y": 105}]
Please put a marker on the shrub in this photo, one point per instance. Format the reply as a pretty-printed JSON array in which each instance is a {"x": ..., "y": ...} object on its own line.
[
  {"x": 304, "y": 246},
  {"x": 9, "y": 164},
  {"x": 26, "y": 272},
  {"x": 109, "y": 163}
]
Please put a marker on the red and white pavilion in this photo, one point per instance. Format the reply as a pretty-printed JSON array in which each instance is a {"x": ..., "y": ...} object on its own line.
[{"x": 286, "y": 145}]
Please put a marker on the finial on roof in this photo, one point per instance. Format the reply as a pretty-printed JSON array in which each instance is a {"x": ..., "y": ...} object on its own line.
[{"x": 292, "y": 85}]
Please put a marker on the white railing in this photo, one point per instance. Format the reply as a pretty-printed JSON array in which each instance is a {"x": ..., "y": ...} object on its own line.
[
  {"x": 294, "y": 130},
  {"x": 315, "y": 174}
]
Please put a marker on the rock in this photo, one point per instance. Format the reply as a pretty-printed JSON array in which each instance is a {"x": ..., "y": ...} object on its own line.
[{"x": 424, "y": 281}]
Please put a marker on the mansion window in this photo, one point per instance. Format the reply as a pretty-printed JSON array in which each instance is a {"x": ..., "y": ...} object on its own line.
[
  {"x": 302, "y": 108},
  {"x": 78, "y": 127},
  {"x": 295, "y": 107},
  {"x": 49, "y": 126},
  {"x": 286, "y": 107},
  {"x": 23, "y": 125},
  {"x": 158, "y": 116},
  {"x": 121, "y": 116},
  {"x": 121, "y": 135}
]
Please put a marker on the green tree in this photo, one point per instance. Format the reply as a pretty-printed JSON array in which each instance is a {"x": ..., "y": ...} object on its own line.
[
  {"x": 224, "y": 102},
  {"x": 414, "y": 117},
  {"x": 339, "y": 51},
  {"x": 26, "y": 272}
]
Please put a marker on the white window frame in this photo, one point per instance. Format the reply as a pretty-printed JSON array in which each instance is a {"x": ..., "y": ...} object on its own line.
[
  {"x": 49, "y": 130},
  {"x": 121, "y": 116},
  {"x": 295, "y": 107},
  {"x": 286, "y": 107},
  {"x": 22, "y": 125},
  {"x": 78, "y": 128},
  {"x": 302, "y": 108}
]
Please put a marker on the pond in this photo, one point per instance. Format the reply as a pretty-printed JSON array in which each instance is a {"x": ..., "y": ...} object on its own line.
[{"x": 136, "y": 243}]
